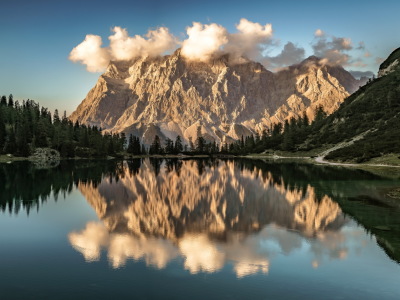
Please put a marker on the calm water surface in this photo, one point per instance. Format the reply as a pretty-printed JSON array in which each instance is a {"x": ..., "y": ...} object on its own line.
[{"x": 197, "y": 229}]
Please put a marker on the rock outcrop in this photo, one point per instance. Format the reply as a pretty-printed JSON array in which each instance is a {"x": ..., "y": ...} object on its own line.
[
  {"x": 45, "y": 158},
  {"x": 171, "y": 96},
  {"x": 390, "y": 64}
]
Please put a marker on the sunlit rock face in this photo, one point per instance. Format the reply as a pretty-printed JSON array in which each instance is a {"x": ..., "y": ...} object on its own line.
[
  {"x": 208, "y": 213},
  {"x": 171, "y": 96}
]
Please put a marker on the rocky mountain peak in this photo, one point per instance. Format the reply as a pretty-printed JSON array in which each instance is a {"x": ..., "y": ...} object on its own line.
[{"x": 171, "y": 95}]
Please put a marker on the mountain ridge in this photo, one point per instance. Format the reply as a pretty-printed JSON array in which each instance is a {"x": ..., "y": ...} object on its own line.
[{"x": 171, "y": 96}]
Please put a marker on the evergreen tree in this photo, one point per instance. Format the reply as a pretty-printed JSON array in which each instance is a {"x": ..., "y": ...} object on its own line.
[
  {"x": 130, "y": 144},
  {"x": 3, "y": 101},
  {"x": 155, "y": 147},
  {"x": 137, "y": 149},
  {"x": 178, "y": 147},
  {"x": 2, "y": 130},
  {"x": 169, "y": 146},
  {"x": 200, "y": 141},
  {"x": 320, "y": 114},
  {"x": 11, "y": 101},
  {"x": 110, "y": 148},
  {"x": 11, "y": 144},
  {"x": 242, "y": 143},
  {"x": 56, "y": 118}
]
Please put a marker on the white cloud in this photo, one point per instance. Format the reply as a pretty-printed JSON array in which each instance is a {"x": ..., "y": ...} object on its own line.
[
  {"x": 204, "y": 41},
  {"x": 250, "y": 41},
  {"x": 90, "y": 53},
  {"x": 122, "y": 47},
  {"x": 207, "y": 41},
  {"x": 155, "y": 43}
]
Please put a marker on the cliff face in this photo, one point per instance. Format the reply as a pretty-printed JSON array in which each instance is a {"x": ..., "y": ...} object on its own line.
[{"x": 171, "y": 96}]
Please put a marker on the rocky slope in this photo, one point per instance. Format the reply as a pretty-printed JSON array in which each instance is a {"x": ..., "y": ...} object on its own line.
[{"x": 171, "y": 96}]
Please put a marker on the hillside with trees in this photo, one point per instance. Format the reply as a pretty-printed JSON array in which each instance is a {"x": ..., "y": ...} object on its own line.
[{"x": 26, "y": 126}]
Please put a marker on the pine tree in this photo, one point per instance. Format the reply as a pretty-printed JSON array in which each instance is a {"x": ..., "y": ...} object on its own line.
[
  {"x": 110, "y": 149},
  {"x": 320, "y": 114},
  {"x": 130, "y": 144},
  {"x": 2, "y": 130},
  {"x": 200, "y": 141},
  {"x": 11, "y": 144},
  {"x": 136, "y": 146},
  {"x": 3, "y": 101},
  {"x": 169, "y": 146},
  {"x": 178, "y": 147},
  {"x": 56, "y": 117},
  {"x": 155, "y": 147},
  {"x": 11, "y": 101}
]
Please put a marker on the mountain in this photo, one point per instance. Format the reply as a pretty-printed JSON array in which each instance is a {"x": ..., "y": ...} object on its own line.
[
  {"x": 373, "y": 113},
  {"x": 172, "y": 96}
]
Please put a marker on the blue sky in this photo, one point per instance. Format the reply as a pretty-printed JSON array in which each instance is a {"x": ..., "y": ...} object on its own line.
[{"x": 37, "y": 36}]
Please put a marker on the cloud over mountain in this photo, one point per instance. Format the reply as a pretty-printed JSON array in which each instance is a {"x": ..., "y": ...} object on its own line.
[
  {"x": 90, "y": 53},
  {"x": 122, "y": 47},
  {"x": 251, "y": 41},
  {"x": 291, "y": 54}
]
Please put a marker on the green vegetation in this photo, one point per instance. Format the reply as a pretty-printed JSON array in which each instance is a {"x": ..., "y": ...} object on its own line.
[
  {"x": 374, "y": 109},
  {"x": 26, "y": 126}
]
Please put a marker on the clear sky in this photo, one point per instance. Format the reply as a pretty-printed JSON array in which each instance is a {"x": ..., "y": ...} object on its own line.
[{"x": 37, "y": 36}]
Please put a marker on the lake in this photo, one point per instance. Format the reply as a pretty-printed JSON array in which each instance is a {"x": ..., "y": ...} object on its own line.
[{"x": 197, "y": 229}]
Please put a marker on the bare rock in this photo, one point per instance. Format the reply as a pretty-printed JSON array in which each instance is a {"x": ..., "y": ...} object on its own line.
[
  {"x": 45, "y": 158},
  {"x": 169, "y": 95}
]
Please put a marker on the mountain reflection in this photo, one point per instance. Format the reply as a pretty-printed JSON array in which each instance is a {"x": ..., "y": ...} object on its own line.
[{"x": 210, "y": 214}]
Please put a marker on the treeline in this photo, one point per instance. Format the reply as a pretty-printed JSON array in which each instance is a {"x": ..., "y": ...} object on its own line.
[
  {"x": 26, "y": 126},
  {"x": 288, "y": 136}
]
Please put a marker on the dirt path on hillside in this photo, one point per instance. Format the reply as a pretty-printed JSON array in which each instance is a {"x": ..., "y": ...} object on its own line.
[{"x": 321, "y": 157}]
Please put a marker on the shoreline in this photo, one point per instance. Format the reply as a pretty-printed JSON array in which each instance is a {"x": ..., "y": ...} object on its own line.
[{"x": 315, "y": 160}]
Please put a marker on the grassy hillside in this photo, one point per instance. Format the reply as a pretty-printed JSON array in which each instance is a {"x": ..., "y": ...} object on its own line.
[{"x": 374, "y": 109}]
